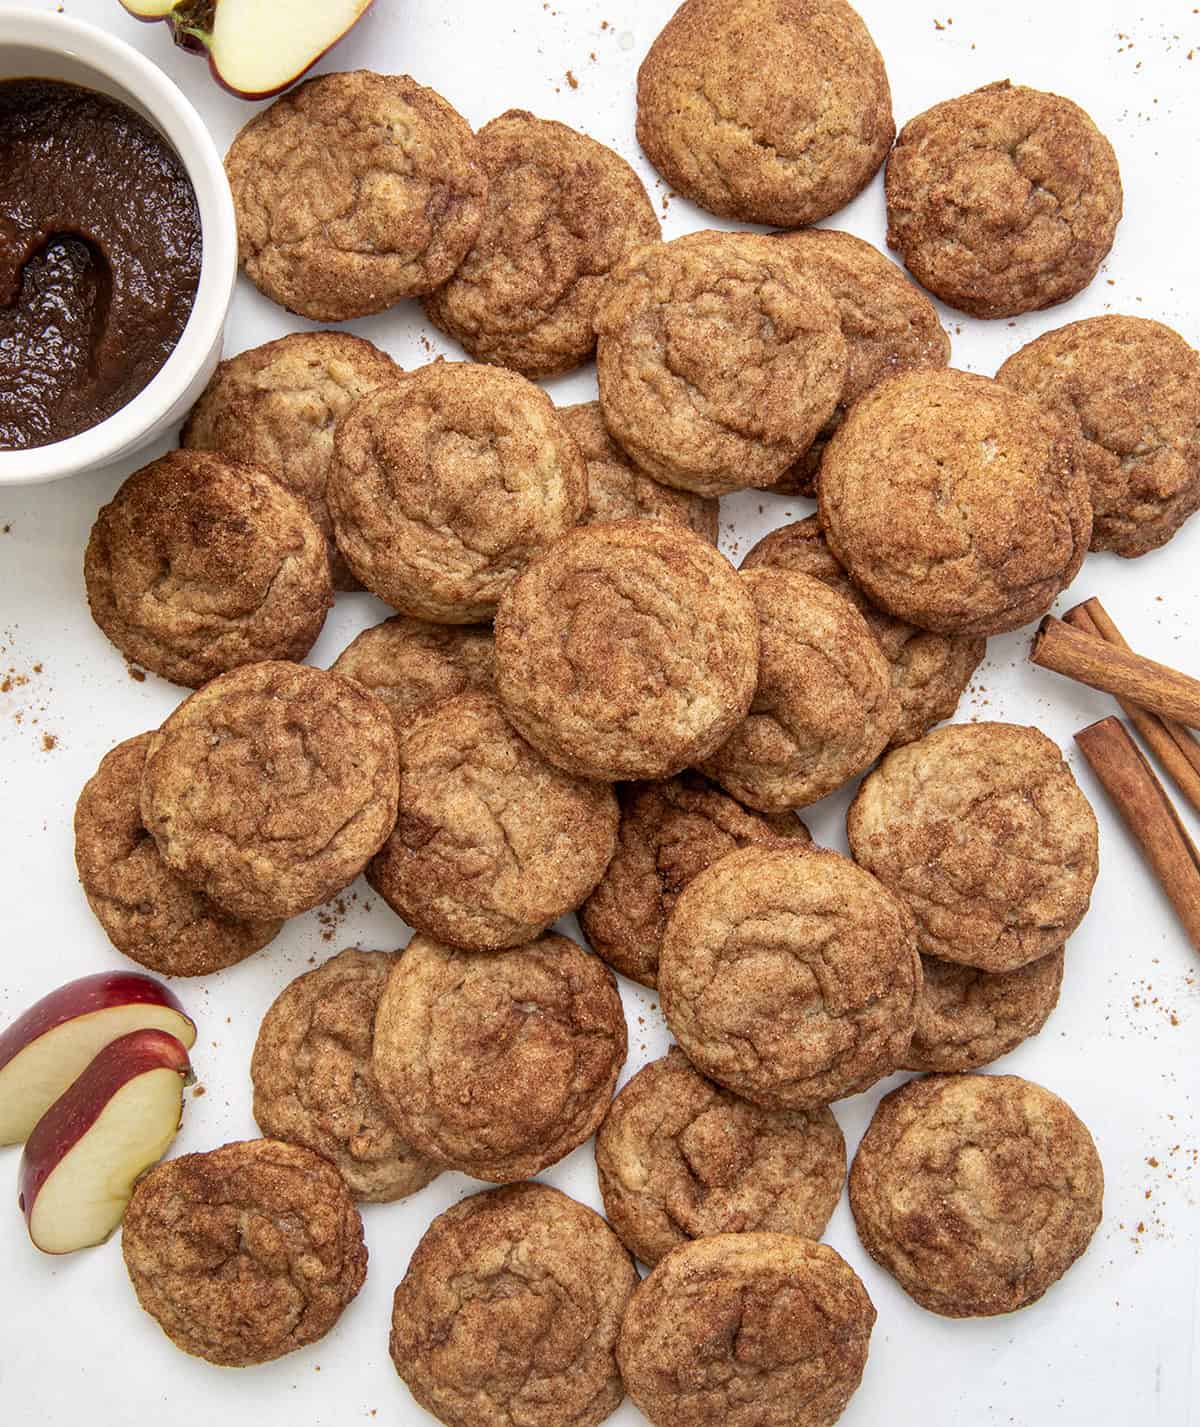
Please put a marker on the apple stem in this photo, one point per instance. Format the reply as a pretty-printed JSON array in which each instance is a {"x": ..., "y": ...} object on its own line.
[{"x": 192, "y": 23}]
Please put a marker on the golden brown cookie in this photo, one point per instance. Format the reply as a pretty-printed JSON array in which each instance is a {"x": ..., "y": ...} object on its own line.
[
  {"x": 200, "y": 564},
  {"x": 767, "y": 111},
  {"x": 491, "y": 843},
  {"x": 353, "y": 191},
  {"x": 445, "y": 484},
  {"x": 982, "y": 830},
  {"x": 1004, "y": 200},
  {"x": 313, "y": 1084},
  {"x": 825, "y": 707},
  {"x": 954, "y": 503},
  {"x": 1131, "y": 387},
  {"x": 244, "y": 1253},
  {"x": 719, "y": 361},
  {"x": 679, "y": 1158},
  {"x": 769, "y": 1329},
  {"x": 499, "y": 1065},
  {"x": 562, "y": 212},
  {"x": 276, "y": 406},
  {"x": 929, "y": 671},
  {"x": 790, "y": 976},
  {"x": 977, "y": 1192},
  {"x": 967, "y": 1018},
  {"x": 271, "y": 788},
  {"x": 146, "y": 911},
  {"x": 669, "y": 832},
  {"x": 510, "y": 1310},
  {"x": 628, "y": 650},
  {"x": 617, "y": 490}
]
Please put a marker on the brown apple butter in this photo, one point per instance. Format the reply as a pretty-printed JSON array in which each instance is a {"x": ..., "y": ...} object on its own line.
[{"x": 99, "y": 258}]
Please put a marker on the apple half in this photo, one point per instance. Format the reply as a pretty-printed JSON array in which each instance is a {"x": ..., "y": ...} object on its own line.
[
  {"x": 99, "y": 1137},
  {"x": 43, "y": 1051},
  {"x": 255, "y": 48}
]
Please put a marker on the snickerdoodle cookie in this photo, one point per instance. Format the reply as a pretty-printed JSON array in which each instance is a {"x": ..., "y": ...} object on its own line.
[
  {"x": 510, "y": 1310},
  {"x": 313, "y": 1084},
  {"x": 244, "y": 1253},
  {"x": 977, "y": 1192},
  {"x": 200, "y": 564},
  {"x": 271, "y": 788},
  {"x": 767, "y": 111},
  {"x": 984, "y": 833},
  {"x": 148, "y": 912},
  {"x": 353, "y": 191},
  {"x": 680, "y": 1158},
  {"x": 446, "y": 483},
  {"x": 954, "y": 503},
  {"x": 669, "y": 832},
  {"x": 499, "y": 1065},
  {"x": 628, "y": 650},
  {"x": 769, "y": 1329},
  {"x": 617, "y": 490},
  {"x": 562, "y": 212},
  {"x": 790, "y": 976},
  {"x": 929, "y": 671},
  {"x": 276, "y": 406},
  {"x": 491, "y": 843},
  {"x": 719, "y": 360},
  {"x": 1132, "y": 387},
  {"x": 824, "y": 708},
  {"x": 1004, "y": 200}
]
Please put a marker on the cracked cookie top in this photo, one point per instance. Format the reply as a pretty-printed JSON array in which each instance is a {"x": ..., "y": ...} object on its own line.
[
  {"x": 509, "y": 1313},
  {"x": 767, "y": 111},
  {"x": 355, "y": 190},
  {"x": 984, "y": 833},
  {"x": 977, "y": 1192},
  {"x": 1004, "y": 200}
]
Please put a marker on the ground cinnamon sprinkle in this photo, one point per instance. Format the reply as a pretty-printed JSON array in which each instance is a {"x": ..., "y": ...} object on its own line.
[{"x": 571, "y": 80}]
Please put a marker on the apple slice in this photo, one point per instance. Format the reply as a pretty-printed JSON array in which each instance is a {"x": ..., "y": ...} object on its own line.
[
  {"x": 85, "y": 1154},
  {"x": 43, "y": 1051},
  {"x": 255, "y": 47}
]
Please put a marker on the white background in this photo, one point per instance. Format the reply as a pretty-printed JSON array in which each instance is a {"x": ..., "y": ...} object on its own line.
[{"x": 1118, "y": 1341}]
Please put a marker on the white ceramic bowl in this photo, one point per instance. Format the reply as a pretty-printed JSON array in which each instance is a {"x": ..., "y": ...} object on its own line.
[{"x": 46, "y": 45}]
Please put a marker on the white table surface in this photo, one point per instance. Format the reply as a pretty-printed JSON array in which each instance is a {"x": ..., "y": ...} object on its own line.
[{"x": 1118, "y": 1341}]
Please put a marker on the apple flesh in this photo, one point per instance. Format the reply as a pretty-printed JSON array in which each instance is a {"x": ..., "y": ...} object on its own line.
[
  {"x": 43, "y": 1051},
  {"x": 255, "y": 48},
  {"x": 90, "y": 1147}
]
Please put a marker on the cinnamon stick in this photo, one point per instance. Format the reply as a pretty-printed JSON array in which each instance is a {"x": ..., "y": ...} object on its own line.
[{"x": 1149, "y": 814}]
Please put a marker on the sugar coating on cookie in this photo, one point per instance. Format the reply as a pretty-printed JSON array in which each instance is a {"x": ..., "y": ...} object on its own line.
[
  {"x": 1131, "y": 388},
  {"x": 200, "y": 564},
  {"x": 499, "y": 1065},
  {"x": 628, "y": 650},
  {"x": 271, "y": 788},
  {"x": 246, "y": 1252},
  {"x": 445, "y": 484},
  {"x": 562, "y": 211},
  {"x": 929, "y": 671},
  {"x": 767, "y": 111},
  {"x": 976, "y": 1192},
  {"x": 983, "y": 832},
  {"x": 770, "y": 1327},
  {"x": 146, "y": 911},
  {"x": 492, "y": 843},
  {"x": 719, "y": 361},
  {"x": 669, "y": 832},
  {"x": 824, "y": 707},
  {"x": 954, "y": 503},
  {"x": 355, "y": 190},
  {"x": 510, "y": 1310},
  {"x": 1004, "y": 200},
  {"x": 313, "y": 1085},
  {"x": 790, "y": 976}
]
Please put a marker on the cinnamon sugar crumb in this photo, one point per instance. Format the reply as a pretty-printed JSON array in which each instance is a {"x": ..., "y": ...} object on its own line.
[{"x": 571, "y": 80}]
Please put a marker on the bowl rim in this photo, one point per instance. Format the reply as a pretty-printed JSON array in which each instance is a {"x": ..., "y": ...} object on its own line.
[{"x": 151, "y": 91}]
